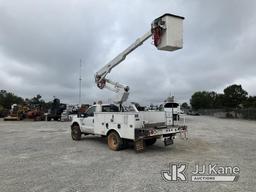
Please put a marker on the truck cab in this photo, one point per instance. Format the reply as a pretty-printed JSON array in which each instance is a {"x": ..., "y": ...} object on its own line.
[{"x": 88, "y": 118}]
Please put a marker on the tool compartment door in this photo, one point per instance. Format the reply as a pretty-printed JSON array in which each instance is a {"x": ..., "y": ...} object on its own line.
[{"x": 122, "y": 122}]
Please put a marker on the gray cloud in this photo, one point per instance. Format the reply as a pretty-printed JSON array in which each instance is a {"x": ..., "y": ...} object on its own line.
[{"x": 41, "y": 43}]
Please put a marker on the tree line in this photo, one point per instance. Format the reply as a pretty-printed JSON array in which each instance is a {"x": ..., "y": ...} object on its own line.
[{"x": 233, "y": 96}]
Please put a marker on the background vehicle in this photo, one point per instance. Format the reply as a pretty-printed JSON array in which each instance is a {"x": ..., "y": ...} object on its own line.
[
  {"x": 16, "y": 113},
  {"x": 56, "y": 110},
  {"x": 171, "y": 106}
]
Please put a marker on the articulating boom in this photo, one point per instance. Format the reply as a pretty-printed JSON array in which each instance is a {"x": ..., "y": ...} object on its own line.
[
  {"x": 121, "y": 90},
  {"x": 158, "y": 26}
]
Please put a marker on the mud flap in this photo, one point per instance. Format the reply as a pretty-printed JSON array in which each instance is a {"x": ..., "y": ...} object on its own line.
[
  {"x": 168, "y": 141},
  {"x": 139, "y": 145},
  {"x": 183, "y": 132}
]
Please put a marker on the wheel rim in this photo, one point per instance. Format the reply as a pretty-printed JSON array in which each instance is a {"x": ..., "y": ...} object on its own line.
[{"x": 112, "y": 141}]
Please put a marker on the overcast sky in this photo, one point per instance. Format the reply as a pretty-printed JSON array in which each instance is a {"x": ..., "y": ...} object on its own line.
[{"x": 41, "y": 43}]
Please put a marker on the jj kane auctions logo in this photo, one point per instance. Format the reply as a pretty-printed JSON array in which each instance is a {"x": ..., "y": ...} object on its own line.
[{"x": 201, "y": 173}]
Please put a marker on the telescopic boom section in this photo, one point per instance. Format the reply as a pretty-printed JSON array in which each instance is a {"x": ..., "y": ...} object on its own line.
[{"x": 100, "y": 77}]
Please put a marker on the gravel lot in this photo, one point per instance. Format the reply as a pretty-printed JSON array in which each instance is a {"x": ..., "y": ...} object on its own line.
[{"x": 40, "y": 156}]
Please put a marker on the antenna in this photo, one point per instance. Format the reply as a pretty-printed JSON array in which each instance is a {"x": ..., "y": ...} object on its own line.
[{"x": 80, "y": 82}]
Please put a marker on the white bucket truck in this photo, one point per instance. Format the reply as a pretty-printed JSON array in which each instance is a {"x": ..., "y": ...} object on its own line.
[{"x": 140, "y": 127}]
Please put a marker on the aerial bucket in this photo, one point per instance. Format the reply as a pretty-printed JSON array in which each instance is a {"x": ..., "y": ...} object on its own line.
[{"x": 167, "y": 32}]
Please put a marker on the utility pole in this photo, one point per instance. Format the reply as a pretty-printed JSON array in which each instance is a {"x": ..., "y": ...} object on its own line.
[{"x": 80, "y": 82}]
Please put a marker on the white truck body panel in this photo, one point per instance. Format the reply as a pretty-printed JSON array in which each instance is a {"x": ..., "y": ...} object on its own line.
[{"x": 125, "y": 123}]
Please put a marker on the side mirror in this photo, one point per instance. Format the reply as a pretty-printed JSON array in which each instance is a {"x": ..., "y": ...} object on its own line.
[{"x": 83, "y": 115}]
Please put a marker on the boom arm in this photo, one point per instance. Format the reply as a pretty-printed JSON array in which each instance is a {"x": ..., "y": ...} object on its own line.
[
  {"x": 100, "y": 77},
  {"x": 167, "y": 35}
]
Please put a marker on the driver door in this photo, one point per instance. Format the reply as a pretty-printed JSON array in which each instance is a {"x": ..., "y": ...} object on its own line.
[{"x": 88, "y": 121}]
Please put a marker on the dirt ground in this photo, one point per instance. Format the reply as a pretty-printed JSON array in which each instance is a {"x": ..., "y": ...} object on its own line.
[{"x": 41, "y": 156}]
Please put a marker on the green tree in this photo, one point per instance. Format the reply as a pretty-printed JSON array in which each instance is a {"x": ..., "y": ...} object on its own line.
[
  {"x": 35, "y": 101},
  {"x": 203, "y": 100},
  {"x": 1, "y": 110},
  {"x": 219, "y": 102},
  {"x": 8, "y": 98},
  {"x": 250, "y": 102},
  {"x": 234, "y": 95},
  {"x": 212, "y": 98},
  {"x": 184, "y": 106}
]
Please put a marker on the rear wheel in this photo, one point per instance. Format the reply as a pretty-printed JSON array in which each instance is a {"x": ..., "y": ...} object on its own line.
[
  {"x": 114, "y": 141},
  {"x": 149, "y": 142},
  {"x": 76, "y": 133}
]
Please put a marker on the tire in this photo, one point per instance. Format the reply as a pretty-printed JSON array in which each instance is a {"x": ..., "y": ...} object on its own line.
[
  {"x": 114, "y": 141},
  {"x": 76, "y": 133},
  {"x": 125, "y": 144},
  {"x": 149, "y": 142}
]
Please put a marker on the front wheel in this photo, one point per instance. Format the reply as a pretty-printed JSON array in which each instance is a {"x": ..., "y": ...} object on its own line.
[
  {"x": 114, "y": 141},
  {"x": 76, "y": 133}
]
